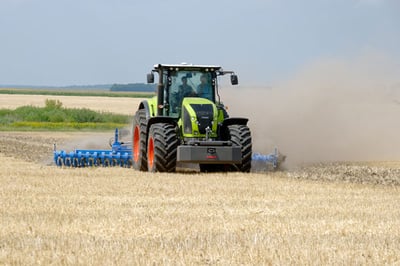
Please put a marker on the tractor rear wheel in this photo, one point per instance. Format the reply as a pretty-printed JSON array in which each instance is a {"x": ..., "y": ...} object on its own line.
[
  {"x": 139, "y": 141},
  {"x": 240, "y": 135},
  {"x": 162, "y": 148}
]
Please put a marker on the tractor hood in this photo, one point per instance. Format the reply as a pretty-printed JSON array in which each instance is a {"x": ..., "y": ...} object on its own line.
[{"x": 199, "y": 118}]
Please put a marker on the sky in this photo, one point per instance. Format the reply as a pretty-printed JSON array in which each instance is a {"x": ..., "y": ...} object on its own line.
[{"x": 83, "y": 42}]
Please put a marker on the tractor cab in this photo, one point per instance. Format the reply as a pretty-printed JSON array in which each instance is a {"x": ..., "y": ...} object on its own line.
[{"x": 177, "y": 82}]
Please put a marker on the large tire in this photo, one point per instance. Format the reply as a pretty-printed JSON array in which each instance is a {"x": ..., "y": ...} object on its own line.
[
  {"x": 139, "y": 136},
  {"x": 162, "y": 148},
  {"x": 240, "y": 135}
]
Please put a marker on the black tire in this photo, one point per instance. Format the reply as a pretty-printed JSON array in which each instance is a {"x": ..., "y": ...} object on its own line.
[
  {"x": 162, "y": 148},
  {"x": 139, "y": 137},
  {"x": 240, "y": 135}
]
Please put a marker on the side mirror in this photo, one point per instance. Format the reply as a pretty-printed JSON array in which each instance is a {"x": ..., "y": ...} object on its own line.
[
  {"x": 234, "y": 80},
  {"x": 150, "y": 78}
]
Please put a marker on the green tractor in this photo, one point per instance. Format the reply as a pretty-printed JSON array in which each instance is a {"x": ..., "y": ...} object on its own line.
[{"x": 187, "y": 123}]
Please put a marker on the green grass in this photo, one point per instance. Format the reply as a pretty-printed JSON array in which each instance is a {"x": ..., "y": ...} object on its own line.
[
  {"x": 55, "y": 117},
  {"x": 76, "y": 93}
]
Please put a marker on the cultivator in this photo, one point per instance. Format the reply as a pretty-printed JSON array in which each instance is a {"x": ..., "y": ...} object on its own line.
[
  {"x": 270, "y": 161},
  {"x": 120, "y": 155}
]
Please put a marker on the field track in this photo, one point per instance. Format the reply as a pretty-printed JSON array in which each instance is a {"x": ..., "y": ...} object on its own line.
[{"x": 120, "y": 216}]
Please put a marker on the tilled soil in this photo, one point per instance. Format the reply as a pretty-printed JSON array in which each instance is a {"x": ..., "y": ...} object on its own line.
[
  {"x": 384, "y": 173},
  {"x": 28, "y": 147},
  {"x": 38, "y": 147}
]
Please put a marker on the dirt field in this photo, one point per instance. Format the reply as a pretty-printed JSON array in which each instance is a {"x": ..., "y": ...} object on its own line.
[{"x": 118, "y": 216}]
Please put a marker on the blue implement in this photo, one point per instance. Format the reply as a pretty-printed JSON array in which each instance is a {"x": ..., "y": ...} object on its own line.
[
  {"x": 119, "y": 155},
  {"x": 273, "y": 159}
]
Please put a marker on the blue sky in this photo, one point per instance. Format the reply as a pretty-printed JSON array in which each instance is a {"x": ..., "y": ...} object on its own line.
[{"x": 66, "y": 42}]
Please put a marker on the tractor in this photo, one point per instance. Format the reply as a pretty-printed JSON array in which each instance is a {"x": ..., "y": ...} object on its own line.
[{"x": 186, "y": 122}]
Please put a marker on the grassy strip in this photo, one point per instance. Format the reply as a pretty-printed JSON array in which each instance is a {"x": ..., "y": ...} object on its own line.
[
  {"x": 77, "y": 93},
  {"x": 55, "y": 117}
]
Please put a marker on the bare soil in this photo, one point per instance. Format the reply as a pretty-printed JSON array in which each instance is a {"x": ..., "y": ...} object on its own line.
[{"x": 37, "y": 147}]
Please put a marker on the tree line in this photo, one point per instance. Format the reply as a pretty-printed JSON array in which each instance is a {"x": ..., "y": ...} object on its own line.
[{"x": 133, "y": 87}]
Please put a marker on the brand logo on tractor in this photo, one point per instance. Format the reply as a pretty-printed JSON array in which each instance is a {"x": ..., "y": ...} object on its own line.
[{"x": 211, "y": 153}]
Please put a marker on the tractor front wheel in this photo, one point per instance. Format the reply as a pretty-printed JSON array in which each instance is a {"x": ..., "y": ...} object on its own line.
[{"x": 162, "y": 146}]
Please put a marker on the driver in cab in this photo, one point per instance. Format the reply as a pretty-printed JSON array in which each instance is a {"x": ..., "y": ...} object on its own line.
[
  {"x": 185, "y": 89},
  {"x": 204, "y": 89}
]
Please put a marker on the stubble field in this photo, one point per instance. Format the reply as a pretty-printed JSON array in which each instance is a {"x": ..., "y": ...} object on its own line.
[
  {"x": 339, "y": 213},
  {"x": 118, "y": 105}
]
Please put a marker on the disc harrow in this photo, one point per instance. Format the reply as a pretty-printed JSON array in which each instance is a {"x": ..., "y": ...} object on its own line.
[
  {"x": 119, "y": 155},
  {"x": 270, "y": 161}
]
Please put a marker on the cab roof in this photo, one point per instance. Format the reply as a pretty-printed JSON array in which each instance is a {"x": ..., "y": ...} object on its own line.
[{"x": 184, "y": 66}]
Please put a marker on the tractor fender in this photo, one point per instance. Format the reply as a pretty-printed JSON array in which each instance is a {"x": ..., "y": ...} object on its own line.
[
  {"x": 235, "y": 121},
  {"x": 145, "y": 105}
]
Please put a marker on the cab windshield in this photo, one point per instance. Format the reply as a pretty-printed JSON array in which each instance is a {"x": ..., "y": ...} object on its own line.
[{"x": 189, "y": 84}]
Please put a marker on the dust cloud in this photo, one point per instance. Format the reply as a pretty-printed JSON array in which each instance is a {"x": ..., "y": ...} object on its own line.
[
  {"x": 95, "y": 140},
  {"x": 98, "y": 140},
  {"x": 331, "y": 110}
]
